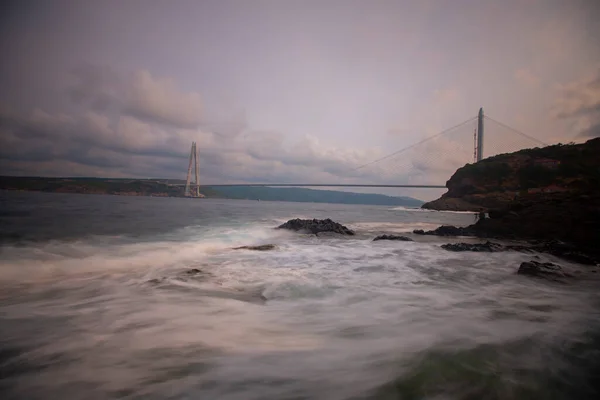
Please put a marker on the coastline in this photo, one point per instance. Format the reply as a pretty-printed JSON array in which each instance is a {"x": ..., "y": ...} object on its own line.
[{"x": 542, "y": 194}]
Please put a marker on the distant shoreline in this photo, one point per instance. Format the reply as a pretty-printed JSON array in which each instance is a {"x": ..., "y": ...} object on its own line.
[{"x": 162, "y": 188}]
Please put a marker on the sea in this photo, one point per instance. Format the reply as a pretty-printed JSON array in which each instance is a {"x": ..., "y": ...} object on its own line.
[{"x": 115, "y": 297}]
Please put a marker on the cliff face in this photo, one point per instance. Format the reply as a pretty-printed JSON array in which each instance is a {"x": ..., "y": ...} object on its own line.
[{"x": 559, "y": 171}]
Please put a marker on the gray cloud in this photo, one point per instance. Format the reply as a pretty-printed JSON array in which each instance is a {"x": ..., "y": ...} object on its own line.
[
  {"x": 160, "y": 101},
  {"x": 92, "y": 140},
  {"x": 579, "y": 102},
  {"x": 271, "y": 91},
  {"x": 95, "y": 86},
  {"x": 138, "y": 94}
]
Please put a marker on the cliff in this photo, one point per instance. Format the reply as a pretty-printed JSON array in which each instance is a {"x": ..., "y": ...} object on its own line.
[
  {"x": 543, "y": 194},
  {"x": 531, "y": 174}
]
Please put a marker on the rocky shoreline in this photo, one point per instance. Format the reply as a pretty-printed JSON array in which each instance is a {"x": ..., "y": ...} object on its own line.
[
  {"x": 572, "y": 219},
  {"x": 566, "y": 251},
  {"x": 544, "y": 196}
]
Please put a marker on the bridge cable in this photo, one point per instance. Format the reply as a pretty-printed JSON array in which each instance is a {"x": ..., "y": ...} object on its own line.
[
  {"x": 415, "y": 144},
  {"x": 516, "y": 130}
]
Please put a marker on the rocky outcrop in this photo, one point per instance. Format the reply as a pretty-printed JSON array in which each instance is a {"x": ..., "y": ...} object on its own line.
[
  {"x": 543, "y": 270},
  {"x": 566, "y": 251},
  {"x": 452, "y": 204},
  {"x": 499, "y": 181},
  {"x": 480, "y": 247},
  {"x": 262, "y": 247},
  {"x": 393, "y": 237},
  {"x": 316, "y": 226},
  {"x": 447, "y": 230}
]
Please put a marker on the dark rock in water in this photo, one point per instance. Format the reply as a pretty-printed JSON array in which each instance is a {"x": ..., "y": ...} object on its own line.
[
  {"x": 393, "y": 237},
  {"x": 486, "y": 247},
  {"x": 315, "y": 226},
  {"x": 544, "y": 270},
  {"x": 156, "y": 281},
  {"x": 193, "y": 271},
  {"x": 446, "y": 230},
  {"x": 262, "y": 247},
  {"x": 555, "y": 247},
  {"x": 566, "y": 251}
]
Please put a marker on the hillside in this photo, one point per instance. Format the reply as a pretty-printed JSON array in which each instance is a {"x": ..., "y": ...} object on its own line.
[
  {"x": 498, "y": 181},
  {"x": 314, "y": 196},
  {"x": 163, "y": 188},
  {"x": 125, "y": 187},
  {"x": 543, "y": 194}
]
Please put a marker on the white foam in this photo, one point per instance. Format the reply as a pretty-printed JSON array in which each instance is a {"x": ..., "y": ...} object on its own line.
[
  {"x": 55, "y": 259},
  {"x": 427, "y": 210}
]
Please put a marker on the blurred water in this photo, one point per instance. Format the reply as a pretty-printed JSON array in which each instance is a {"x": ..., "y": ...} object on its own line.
[{"x": 97, "y": 301}]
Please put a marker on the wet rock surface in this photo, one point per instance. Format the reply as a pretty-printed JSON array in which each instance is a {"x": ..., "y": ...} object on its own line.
[
  {"x": 564, "y": 250},
  {"x": 193, "y": 271},
  {"x": 316, "y": 226},
  {"x": 480, "y": 247},
  {"x": 262, "y": 247},
  {"x": 446, "y": 230},
  {"x": 543, "y": 270},
  {"x": 393, "y": 237},
  {"x": 556, "y": 248}
]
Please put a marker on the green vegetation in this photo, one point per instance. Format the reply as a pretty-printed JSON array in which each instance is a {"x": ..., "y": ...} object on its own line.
[
  {"x": 563, "y": 165},
  {"x": 132, "y": 187}
]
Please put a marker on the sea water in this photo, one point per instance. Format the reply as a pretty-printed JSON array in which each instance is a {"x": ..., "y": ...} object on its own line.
[{"x": 106, "y": 297}]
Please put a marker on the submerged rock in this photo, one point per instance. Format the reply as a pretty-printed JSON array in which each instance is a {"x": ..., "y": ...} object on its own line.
[
  {"x": 315, "y": 226},
  {"x": 393, "y": 237},
  {"x": 262, "y": 247},
  {"x": 485, "y": 247},
  {"x": 193, "y": 271},
  {"x": 543, "y": 270},
  {"x": 446, "y": 230}
]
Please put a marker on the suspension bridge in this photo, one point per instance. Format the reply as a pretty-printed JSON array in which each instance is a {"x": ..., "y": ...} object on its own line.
[{"x": 421, "y": 165}]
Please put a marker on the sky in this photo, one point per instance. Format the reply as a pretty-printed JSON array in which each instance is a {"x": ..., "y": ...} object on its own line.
[{"x": 287, "y": 90}]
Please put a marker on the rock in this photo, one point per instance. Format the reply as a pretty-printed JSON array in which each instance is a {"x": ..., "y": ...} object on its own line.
[
  {"x": 486, "y": 247},
  {"x": 497, "y": 213},
  {"x": 262, "y": 247},
  {"x": 393, "y": 237},
  {"x": 566, "y": 251},
  {"x": 193, "y": 271},
  {"x": 452, "y": 204},
  {"x": 446, "y": 230},
  {"x": 544, "y": 270},
  {"x": 315, "y": 226}
]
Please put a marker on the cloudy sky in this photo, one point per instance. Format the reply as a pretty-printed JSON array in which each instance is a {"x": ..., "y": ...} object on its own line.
[{"x": 286, "y": 90}]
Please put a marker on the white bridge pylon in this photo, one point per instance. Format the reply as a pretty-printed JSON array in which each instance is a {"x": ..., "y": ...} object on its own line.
[{"x": 192, "y": 189}]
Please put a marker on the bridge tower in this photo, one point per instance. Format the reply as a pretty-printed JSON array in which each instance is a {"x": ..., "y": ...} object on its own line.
[
  {"x": 192, "y": 189},
  {"x": 479, "y": 137}
]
